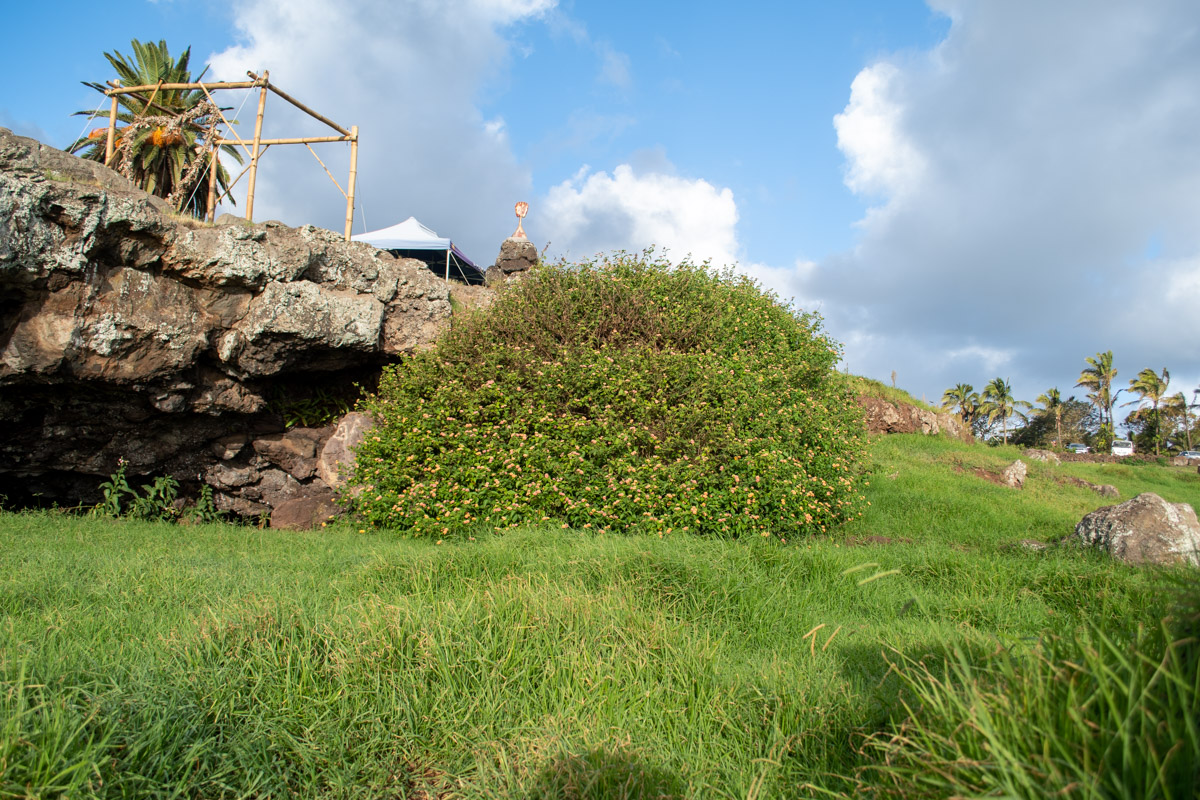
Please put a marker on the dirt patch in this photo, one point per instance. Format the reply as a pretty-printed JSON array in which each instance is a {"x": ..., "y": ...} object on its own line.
[
  {"x": 980, "y": 472},
  {"x": 416, "y": 782}
]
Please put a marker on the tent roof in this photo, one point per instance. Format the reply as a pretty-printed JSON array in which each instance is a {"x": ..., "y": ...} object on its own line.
[{"x": 410, "y": 235}]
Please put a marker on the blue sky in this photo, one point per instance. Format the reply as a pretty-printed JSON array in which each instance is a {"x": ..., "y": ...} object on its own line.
[{"x": 964, "y": 189}]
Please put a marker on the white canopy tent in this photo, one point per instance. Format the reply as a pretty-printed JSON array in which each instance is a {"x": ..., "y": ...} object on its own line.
[{"x": 412, "y": 235}]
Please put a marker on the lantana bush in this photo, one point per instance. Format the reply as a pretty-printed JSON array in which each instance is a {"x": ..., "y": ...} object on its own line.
[{"x": 620, "y": 394}]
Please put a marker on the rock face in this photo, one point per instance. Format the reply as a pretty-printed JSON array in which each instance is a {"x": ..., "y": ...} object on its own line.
[
  {"x": 883, "y": 416},
  {"x": 128, "y": 331},
  {"x": 516, "y": 256},
  {"x": 1144, "y": 530}
]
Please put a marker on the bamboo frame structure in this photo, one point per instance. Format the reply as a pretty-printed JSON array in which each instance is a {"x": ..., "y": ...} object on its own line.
[{"x": 256, "y": 147}]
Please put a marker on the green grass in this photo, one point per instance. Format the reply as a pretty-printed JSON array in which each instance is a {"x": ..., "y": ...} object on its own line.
[
  {"x": 141, "y": 659},
  {"x": 873, "y": 388}
]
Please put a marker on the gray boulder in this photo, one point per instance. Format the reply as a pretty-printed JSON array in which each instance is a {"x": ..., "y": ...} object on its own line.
[
  {"x": 1144, "y": 530},
  {"x": 1014, "y": 475}
]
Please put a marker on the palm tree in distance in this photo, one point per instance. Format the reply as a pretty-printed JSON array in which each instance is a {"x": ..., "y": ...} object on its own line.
[
  {"x": 163, "y": 142},
  {"x": 1097, "y": 377},
  {"x": 1177, "y": 405},
  {"x": 999, "y": 403},
  {"x": 1051, "y": 401},
  {"x": 963, "y": 398},
  {"x": 1149, "y": 386}
]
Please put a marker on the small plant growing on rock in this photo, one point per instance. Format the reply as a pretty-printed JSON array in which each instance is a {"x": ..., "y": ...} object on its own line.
[
  {"x": 617, "y": 395},
  {"x": 205, "y": 509}
]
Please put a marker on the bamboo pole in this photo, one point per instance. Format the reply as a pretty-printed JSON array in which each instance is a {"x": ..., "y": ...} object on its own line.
[
  {"x": 218, "y": 85},
  {"x": 151, "y": 102},
  {"x": 327, "y": 172},
  {"x": 353, "y": 178},
  {"x": 300, "y": 105},
  {"x": 214, "y": 168},
  {"x": 112, "y": 133},
  {"x": 307, "y": 140},
  {"x": 262, "y": 104}
]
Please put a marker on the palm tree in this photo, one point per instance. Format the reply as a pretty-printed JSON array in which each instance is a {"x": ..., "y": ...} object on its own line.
[
  {"x": 999, "y": 403},
  {"x": 165, "y": 135},
  {"x": 1052, "y": 401},
  {"x": 1149, "y": 386},
  {"x": 1098, "y": 378},
  {"x": 1177, "y": 405},
  {"x": 963, "y": 398}
]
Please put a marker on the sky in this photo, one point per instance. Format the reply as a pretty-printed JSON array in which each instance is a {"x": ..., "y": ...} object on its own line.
[{"x": 962, "y": 189}]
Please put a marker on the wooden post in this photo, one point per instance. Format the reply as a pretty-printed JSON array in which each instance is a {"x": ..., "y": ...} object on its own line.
[
  {"x": 214, "y": 168},
  {"x": 112, "y": 131},
  {"x": 353, "y": 178},
  {"x": 262, "y": 104}
]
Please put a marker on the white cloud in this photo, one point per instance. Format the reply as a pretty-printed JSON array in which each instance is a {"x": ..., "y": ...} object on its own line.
[
  {"x": 1016, "y": 172},
  {"x": 407, "y": 73},
  {"x": 597, "y": 212},
  {"x": 984, "y": 360},
  {"x": 881, "y": 159}
]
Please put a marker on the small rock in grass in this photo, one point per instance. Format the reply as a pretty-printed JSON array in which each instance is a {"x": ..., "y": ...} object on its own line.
[
  {"x": 1043, "y": 455},
  {"x": 1014, "y": 475},
  {"x": 1102, "y": 489}
]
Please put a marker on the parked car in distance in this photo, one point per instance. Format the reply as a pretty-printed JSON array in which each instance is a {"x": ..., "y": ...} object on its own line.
[
  {"x": 1190, "y": 454},
  {"x": 1122, "y": 447},
  {"x": 1077, "y": 448}
]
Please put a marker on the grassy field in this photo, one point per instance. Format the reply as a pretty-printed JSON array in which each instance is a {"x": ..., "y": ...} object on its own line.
[{"x": 216, "y": 661}]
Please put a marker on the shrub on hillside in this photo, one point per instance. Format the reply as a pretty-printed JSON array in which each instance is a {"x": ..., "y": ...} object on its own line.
[{"x": 622, "y": 394}]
